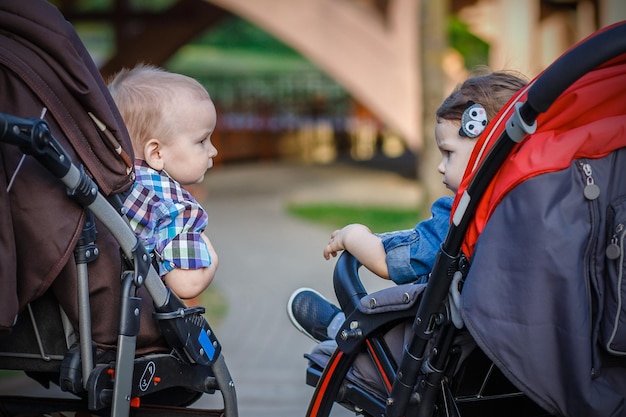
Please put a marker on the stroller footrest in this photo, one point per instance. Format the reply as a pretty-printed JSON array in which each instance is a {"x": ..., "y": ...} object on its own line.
[
  {"x": 313, "y": 375},
  {"x": 152, "y": 374}
]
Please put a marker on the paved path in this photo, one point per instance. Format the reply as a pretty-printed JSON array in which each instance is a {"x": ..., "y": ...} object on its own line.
[{"x": 265, "y": 255}]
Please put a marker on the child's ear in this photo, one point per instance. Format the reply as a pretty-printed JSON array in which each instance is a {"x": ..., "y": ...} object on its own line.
[{"x": 152, "y": 152}]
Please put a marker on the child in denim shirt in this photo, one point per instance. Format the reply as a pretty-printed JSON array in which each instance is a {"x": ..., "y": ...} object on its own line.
[{"x": 408, "y": 255}]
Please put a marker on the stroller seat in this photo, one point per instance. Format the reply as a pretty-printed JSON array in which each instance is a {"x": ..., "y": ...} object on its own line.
[{"x": 476, "y": 384}]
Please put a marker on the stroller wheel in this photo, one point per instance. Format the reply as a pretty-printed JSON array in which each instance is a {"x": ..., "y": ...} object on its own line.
[
  {"x": 357, "y": 382},
  {"x": 331, "y": 387}
]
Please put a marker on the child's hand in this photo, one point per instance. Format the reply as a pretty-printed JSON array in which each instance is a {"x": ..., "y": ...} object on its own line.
[
  {"x": 335, "y": 244},
  {"x": 366, "y": 247},
  {"x": 340, "y": 239}
]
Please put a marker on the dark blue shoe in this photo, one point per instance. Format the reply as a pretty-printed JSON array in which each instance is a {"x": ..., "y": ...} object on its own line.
[{"x": 311, "y": 313}]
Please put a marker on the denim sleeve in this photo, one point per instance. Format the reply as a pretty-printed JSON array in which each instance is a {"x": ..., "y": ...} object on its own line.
[{"x": 411, "y": 253}]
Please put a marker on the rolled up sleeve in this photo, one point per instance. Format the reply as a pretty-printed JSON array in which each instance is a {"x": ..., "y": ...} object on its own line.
[
  {"x": 180, "y": 243},
  {"x": 411, "y": 253}
]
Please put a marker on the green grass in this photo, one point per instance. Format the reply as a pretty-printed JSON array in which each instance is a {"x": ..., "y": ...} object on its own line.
[{"x": 378, "y": 219}]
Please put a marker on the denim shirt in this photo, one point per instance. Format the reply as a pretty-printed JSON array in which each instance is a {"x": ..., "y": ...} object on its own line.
[{"x": 411, "y": 253}]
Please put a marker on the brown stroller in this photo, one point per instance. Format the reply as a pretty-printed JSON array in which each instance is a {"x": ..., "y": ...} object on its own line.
[{"x": 81, "y": 305}]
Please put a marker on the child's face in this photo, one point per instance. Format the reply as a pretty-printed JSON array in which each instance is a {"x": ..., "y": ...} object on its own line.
[
  {"x": 189, "y": 153},
  {"x": 455, "y": 152}
]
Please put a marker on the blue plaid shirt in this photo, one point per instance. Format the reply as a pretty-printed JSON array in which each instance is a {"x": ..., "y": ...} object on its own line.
[{"x": 167, "y": 219}]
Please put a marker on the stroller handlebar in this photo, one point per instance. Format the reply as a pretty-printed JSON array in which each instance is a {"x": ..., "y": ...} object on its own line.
[
  {"x": 33, "y": 137},
  {"x": 347, "y": 284}
]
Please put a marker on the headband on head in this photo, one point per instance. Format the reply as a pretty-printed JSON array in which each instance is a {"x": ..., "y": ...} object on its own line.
[{"x": 473, "y": 120}]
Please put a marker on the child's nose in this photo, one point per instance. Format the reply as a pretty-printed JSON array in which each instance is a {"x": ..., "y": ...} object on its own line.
[
  {"x": 441, "y": 168},
  {"x": 212, "y": 151}
]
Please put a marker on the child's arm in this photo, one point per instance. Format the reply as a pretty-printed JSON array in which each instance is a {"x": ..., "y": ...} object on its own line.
[
  {"x": 189, "y": 283},
  {"x": 366, "y": 247}
]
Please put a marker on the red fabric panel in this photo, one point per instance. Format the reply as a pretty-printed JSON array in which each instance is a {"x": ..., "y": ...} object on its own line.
[{"x": 587, "y": 121}]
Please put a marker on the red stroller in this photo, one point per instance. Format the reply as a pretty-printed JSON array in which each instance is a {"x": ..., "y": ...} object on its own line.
[
  {"x": 524, "y": 312},
  {"x": 81, "y": 305}
]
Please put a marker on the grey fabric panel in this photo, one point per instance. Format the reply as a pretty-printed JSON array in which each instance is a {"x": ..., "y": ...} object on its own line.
[
  {"x": 534, "y": 286},
  {"x": 397, "y": 298}
]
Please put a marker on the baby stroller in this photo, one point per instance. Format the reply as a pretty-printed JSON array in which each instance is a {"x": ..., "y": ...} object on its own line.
[
  {"x": 524, "y": 312},
  {"x": 81, "y": 305}
]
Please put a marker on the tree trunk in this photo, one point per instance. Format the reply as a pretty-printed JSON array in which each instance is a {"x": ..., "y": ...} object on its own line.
[{"x": 434, "y": 43}]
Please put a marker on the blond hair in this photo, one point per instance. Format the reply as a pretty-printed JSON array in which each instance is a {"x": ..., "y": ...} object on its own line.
[{"x": 144, "y": 96}]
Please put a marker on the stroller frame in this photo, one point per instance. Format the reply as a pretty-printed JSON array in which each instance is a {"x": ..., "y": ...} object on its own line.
[
  {"x": 426, "y": 382},
  {"x": 196, "y": 362}
]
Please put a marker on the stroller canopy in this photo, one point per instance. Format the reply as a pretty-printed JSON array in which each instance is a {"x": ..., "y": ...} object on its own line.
[{"x": 46, "y": 72}]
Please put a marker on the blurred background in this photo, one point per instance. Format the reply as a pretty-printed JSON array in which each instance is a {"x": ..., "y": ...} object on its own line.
[
  {"x": 325, "y": 117},
  {"x": 326, "y": 81}
]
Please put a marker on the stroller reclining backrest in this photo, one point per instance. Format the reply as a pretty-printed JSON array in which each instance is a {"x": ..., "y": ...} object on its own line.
[{"x": 45, "y": 71}]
